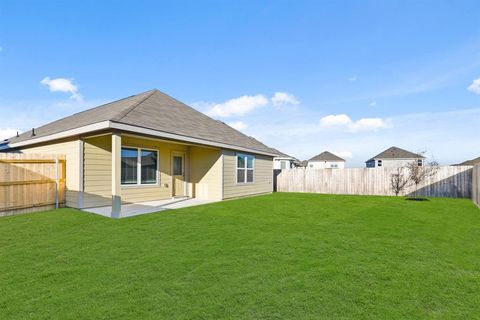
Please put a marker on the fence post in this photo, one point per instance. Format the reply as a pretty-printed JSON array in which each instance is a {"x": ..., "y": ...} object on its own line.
[{"x": 57, "y": 183}]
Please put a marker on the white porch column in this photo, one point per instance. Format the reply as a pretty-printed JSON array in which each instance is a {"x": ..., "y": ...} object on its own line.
[{"x": 116, "y": 175}]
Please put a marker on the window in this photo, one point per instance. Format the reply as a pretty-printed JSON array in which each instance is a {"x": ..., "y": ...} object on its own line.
[
  {"x": 129, "y": 166},
  {"x": 148, "y": 163},
  {"x": 283, "y": 165},
  {"x": 139, "y": 166},
  {"x": 177, "y": 166},
  {"x": 245, "y": 168},
  {"x": 379, "y": 163},
  {"x": 334, "y": 165},
  {"x": 419, "y": 162}
]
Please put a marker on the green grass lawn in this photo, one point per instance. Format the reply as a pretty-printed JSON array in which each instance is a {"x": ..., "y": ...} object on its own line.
[{"x": 280, "y": 256}]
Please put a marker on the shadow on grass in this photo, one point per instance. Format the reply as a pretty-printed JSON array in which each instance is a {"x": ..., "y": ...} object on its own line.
[{"x": 416, "y": 199}]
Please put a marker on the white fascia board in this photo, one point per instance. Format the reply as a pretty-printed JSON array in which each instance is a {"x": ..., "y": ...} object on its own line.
[
  {"x": 283, "y": 158},
  {"x": 60, "y": 135}
]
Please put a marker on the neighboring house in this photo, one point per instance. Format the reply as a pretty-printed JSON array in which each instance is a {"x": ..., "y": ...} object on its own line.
[
  {"x": 472, "y": 162},
  {"x": 326, "y": 160},
  {"x": 284, "y": 161},
  {"x": 149, "y": 147},
  {"x": 395, "y": 157},
  {"x": 303, "y": 164}
]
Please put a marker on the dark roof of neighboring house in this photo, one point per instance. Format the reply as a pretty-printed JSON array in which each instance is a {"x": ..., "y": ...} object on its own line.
[
  {"x": 280, "y": 154},
  {"x": 326, "y": 156},
  {"x": 470, "y": 162},
  {"x": 152, "y": 110},
  {"x": 397, "y": 153}
]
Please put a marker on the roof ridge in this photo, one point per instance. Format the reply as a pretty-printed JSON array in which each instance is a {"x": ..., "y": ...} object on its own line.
[
  {"x": 207, "y": 117},
  {"x": 332, "y": 156},
  {"x": 103, "y": 104},
  {"x": 381, "y": 154},
  {"x": 133, "y": 106}
]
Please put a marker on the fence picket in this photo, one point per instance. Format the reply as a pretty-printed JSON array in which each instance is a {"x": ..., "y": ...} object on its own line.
[{"x": 28, "y": 182}]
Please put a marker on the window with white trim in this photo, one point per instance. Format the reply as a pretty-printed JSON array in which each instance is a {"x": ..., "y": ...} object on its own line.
[
  {"x": 379, "y": 163},
  {"x": 139, "y": 166},
  {"x": 245, "y": 168}
]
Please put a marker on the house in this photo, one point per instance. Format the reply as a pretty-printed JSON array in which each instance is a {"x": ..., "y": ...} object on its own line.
[
  {"x": 303, "y": 164},
  {"x": 395, "y": 157},
  {"x": 149, "y": 147},
  {"x": 284, "y": 161},
  {"x": 472, "y": 162},
  {"x": 326, "y": 160}
]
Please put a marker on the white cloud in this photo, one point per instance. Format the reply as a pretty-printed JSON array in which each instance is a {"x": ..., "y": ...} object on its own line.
[
  {"x": 345, "y": 122},
  {"x": 475, "y": 86},
  {"x": 335, "y": 120},
  {"x": 366, "y": 124},
  {"x": 62, "y": 85},
  {"x": 352, "y": 79},
  {"x": 238, "y": 106},
  {"x": 239, "y": 125},
  {"x": 284, "y": 98},
  {"x": 7, "y": 133}
]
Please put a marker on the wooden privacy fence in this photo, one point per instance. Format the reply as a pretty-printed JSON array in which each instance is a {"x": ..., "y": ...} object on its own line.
[
  {"x": 31, "y": 182},
  {"x": 476, "y": 185},
  {"x": 452, "y": 181}
]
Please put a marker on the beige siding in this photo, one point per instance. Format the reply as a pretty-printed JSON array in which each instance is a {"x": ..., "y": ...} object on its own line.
[
  {"x": 97, "y": 171},
  {"x": 71, "y": 149},
  {"x": 206, "y": 173},
  {"x": 164, "y": 189},
  {"x": 263, "y": 176}
]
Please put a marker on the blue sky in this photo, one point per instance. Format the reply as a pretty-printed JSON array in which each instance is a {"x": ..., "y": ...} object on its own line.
[{"x": 352, "y": 77}]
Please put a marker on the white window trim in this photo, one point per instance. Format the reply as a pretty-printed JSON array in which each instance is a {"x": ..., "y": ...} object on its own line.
[
  {"x": 139, "y": 169},
  {"x": 252, "y": 169}
]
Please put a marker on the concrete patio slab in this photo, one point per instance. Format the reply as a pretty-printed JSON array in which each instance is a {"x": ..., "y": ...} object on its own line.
[{"x": 134, "y": 209}]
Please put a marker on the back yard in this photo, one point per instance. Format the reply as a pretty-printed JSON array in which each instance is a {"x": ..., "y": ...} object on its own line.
[{"x": 299, "y": 256}]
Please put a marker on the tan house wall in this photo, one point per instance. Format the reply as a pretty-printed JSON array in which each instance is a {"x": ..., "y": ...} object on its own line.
[
  {"x": 206, "y": 173},
  {"x": 71, "y": 149},
  {"x": 97, "y": 171},
  {"x": 263, "y": 176}
]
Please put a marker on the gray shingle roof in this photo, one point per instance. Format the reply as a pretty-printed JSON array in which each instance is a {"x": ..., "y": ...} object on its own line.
[
  {"x": 397, "y": 153},
  {"x": 326, "y": 156},
  {"x": 152, "y": 110},
  {"x": 281, "y": 154},
  {"x": 472, "y": 162}
]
